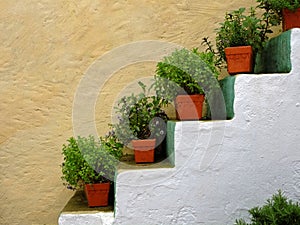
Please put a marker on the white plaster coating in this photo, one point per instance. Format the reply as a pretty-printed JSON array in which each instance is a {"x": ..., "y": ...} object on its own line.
[
  {"x": 99, "y": 218},
  {"x": 223, "y": 168}
]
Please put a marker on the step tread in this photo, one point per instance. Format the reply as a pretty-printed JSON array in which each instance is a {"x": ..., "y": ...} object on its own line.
[
  {"x": 128, "y": 163},
  {"x": 78, "y": 203}
]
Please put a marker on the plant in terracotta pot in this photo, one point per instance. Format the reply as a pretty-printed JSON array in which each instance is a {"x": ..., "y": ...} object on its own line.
[
  {"x": 91, "y": 164},
  {"x": 182, "y": 77},
  {"x": 141, "y": 123},
  {"x": 239, "y": 38},
  {"x": 286, "y": 12}
]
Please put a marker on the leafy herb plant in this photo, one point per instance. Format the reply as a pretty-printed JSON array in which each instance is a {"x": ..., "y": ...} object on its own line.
[
  {"x": 277, "y": 211},
  {"x": 185, "y": 72},
  {"x": 272, "y": 9},
  {"x": 140, "y": 117},
  {"x": 241, "y": 29},
  {"x": 90, "y": 161}
]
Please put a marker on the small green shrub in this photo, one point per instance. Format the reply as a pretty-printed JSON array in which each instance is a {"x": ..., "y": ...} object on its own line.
[
  {"x": 241, "y": 29},
  {"x": 277, "y": 211},
  {"x": 140, "y": 117},
  {"x": 186, "y": 72},
  {"x": 90, "y": 161},
  {"x": 279, "y": 4},
  {"x": 272, "y": 9}
]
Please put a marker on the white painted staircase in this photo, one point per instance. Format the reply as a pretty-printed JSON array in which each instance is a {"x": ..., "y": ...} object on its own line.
[{"x": 221, "y": 168}]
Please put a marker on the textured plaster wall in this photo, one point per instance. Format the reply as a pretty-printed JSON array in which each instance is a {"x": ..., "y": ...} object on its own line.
[
  {"x": 46, "y": 47},
  {"x": 224, "y": 168}
]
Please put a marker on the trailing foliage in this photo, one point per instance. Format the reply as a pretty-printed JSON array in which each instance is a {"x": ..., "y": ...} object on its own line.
[
  {"x": 277, "y": 211},
  {"x": 89, "y": 161}
]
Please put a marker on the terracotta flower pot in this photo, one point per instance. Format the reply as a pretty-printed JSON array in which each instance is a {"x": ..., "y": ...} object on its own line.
[
  {"x": 97, "y": 194},
  {"x": 143, "y": 150},
  {"x": 291, "y": 19},
  {"x": 189, "y": 107},
  {"x": 239, "y": 59}
]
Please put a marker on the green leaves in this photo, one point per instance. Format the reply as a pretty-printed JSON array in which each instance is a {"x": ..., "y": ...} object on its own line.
[
  {"x": 272, "y": 10},
  {"x": 277, "y": 211},
  {"x": 181, "y": 72},
  {"x": 241, "y": 29},
  {"x": 136, "y": 114},
  {"x": 276, "y": 6},
  {"x": 87, "y": 160}
]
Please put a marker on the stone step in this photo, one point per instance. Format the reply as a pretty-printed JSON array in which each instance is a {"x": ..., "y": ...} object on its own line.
[
  {"x": 216, "y": 170},
  {"x": 223, "y": 168},
  {"x": 76, "y": 212}
]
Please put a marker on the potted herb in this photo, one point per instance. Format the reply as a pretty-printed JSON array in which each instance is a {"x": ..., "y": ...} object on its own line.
[
  {"x": 239, "y": 38},
  {"x": 183, "y": 77},
  {"x": 141, "y": 123},
  {"x": 286, "y": 12},
  {"x": 91, "y": 164}
]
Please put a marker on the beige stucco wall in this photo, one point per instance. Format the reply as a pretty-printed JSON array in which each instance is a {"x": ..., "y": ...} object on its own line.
[{"x": 46, "y": 47}]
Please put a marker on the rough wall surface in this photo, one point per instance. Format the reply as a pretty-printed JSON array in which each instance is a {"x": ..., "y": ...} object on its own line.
[
  {"x": 46, "y": 47},
  {"x": 223, "y": 168}
]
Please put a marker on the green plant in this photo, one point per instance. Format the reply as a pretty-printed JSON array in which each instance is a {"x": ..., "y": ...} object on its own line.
[
  {"x": 140, "y": 117},
  {"x": 241, "y": 29},
  {"x": 186, "y": 72},
  {"x": 215, "y": 61},
  {"x": 277, "y": 211},
  {"x": 272, "y": 9},
  {"x": 112, "y": 144},
  {"x": 276, "y": 6},
  {"x": 90, "y": 161}
]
